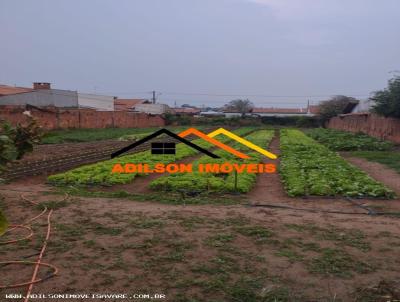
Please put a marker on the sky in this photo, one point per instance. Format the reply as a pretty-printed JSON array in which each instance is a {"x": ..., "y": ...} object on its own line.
[{"x": 277, "y": 53}]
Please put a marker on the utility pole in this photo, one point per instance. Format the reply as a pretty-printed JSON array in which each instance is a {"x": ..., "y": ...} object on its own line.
[{"x": 154, "y": 97}]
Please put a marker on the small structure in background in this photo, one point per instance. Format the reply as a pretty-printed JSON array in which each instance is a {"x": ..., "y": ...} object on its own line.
[
  {"x": 128, "y": 104},
  {"x": 363, "y": 106},
  {"x": 156, "y": 109},
  {"x": 96, "y": 101},
  {"x": 212, "y": 113},
  {"x": 277, "y": 112},
  {"x": 280, "y": 112},
  {"x": 41, "y": 95},
  {"x": 11, "y": 90},
  {"x": 186, "y": 111}
]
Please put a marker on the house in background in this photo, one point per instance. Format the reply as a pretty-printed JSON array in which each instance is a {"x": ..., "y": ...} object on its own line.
[
  {"x": 10, "y": 90},
  {"x": 128, "y": 104},
  {"x": 140, "y": 105},
  {"x": 186, "y": 111},
  {"x": 363, "y": 106},
  {"x": 211, "y": 113},
  {"x": 277, "y": 112},
  {"x": 96, "y": 101},
  {"x": 155, "y": 109},
  {"x": 41, "y": 95},
  {"x": 280, "y": 112}
]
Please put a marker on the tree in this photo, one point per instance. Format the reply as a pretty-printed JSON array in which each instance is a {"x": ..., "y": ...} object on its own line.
[
  {"x": 240, "y": 106},
  {"x": 335, "y": 106},
  {"x": 387, "y": 101},
  {"x": 14, "y": 143}
]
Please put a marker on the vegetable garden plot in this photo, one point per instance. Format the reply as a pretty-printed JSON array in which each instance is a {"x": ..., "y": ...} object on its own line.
[
  {"x": 308, "y": 168},
  {"x": 218, "y": 182},
  {"x": 345, "y": 141},
  {"x": 100, "y": 173}
]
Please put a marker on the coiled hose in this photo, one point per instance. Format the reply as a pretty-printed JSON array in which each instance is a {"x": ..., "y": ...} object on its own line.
[{"x": 38, "y": 262}]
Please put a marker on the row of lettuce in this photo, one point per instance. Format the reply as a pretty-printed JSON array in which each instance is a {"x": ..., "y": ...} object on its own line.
[
  {"x": 306, "y": 166},
  {"x": 337, "y": 140},
  {"x": 309, "y": 168},
  {"x": 218, "y": 182},
  {"x": 100, "y": 173}
]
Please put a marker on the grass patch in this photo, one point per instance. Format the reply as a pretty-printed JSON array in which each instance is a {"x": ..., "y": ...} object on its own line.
[
  {"x": 293, "y": 256},
  {"x": 258, "y": 233},
  {"x": 100, "y": 229},
  {"x": 220, "y": 240},
  {"x": 164, "y": 197},
  {"x": 51, "y": 205},
  {"x": 352, "y": 237},
  {"x": 143, "y": 222},
  {"x": 387, "y": 158},
  {"x": 70, "y": 232},
  {"x": 338, "y": 263}
]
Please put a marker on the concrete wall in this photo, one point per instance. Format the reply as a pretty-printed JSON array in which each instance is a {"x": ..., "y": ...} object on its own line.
[
  {"x": 82, "y": 118},
  {"x": 95, "y": 101},
  {"x": 52, "y": 97},
  {"x": 152, "y": 108},
  {"x": 371, "y": 124}
]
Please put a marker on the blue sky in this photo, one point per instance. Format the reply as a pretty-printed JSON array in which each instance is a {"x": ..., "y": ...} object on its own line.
[{"x": 274, "y": 52}]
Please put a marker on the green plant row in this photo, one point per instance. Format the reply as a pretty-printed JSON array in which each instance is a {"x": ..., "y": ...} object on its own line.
[
  {"x": 309, "y": 168},
  {"x": 217, "y": 182},
  {"x": 3, "y": 223},
  {"x": 100, "y": 173},
  {"x": 346, "y": 141}
]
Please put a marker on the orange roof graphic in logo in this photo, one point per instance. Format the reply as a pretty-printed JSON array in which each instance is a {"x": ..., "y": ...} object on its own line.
[
  {"x": 210, "y": 138},
  {"x": 212, "y": 141}
]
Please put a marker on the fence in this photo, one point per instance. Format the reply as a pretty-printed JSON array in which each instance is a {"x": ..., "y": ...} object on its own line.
[
  {"x": 371, "y": 124},
  {"x": 54, "y": 118}
]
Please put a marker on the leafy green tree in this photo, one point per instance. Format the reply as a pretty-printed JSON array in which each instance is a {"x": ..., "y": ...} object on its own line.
[
  {"x": 335, "y": 106},
  {"x": 241, "y": 106},
  {"x": 387, "y": 101},
  {"x": 14, "y": 143}
]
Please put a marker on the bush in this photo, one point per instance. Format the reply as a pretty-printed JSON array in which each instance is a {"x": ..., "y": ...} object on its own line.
[{"x": 345, "y": 141}]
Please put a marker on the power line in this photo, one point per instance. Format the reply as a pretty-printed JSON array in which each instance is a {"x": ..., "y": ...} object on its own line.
[{"x": 260, "y": 95}]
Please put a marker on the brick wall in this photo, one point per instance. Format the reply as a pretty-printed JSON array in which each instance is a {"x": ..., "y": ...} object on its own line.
[
  {"x": 371, "y": 124},
  {"x": 82, "y": 118}
]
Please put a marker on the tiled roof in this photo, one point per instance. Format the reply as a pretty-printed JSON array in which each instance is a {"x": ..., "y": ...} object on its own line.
[
  {"x": 126, "y": 104},
  {"x": 314, "y": 109},
  {"x": 7, "y": 90}
]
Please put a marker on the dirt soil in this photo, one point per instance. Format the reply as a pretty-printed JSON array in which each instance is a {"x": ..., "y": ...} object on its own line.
[
  {"x": 202, "y": 252},
  {"x": 208, "y": 252},
  {"x": 43, "y": 152}
]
